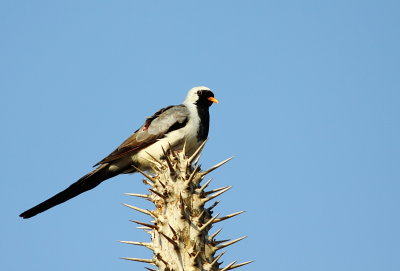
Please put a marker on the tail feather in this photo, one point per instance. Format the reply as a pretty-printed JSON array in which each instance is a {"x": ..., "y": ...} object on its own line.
[{"x": 87, "y": 182}]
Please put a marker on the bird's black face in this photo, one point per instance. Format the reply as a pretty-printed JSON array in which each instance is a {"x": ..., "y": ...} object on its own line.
[{"x": 206, "y": 98}]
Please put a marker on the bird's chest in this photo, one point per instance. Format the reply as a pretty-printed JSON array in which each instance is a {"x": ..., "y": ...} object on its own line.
[{"x": 187, "y": 136}]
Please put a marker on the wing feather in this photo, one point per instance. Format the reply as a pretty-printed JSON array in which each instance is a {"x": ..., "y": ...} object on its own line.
[{"x": 154, "y": 128}]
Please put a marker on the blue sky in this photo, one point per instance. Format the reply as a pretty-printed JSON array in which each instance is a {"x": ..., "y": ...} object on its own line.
[{"x": 309, "y": 94}]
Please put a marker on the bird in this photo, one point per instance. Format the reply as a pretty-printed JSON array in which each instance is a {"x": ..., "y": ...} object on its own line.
[{"x": 170, "y": 128}]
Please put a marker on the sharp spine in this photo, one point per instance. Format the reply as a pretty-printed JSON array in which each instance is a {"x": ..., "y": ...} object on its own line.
[
  {"x": 139, "y": 260},
  {"x": 191, "y": 177},
  {"x": 155, "y": 159},
  {"x": 228, "y": 216},
  {"x": 239, "y": 265},
  {"x": 157, "y": 164},
  {"x": 216, "y": 190},
  {"x": 199, "y": 149},
  {"x": 204, "y": 186},
  {"x": 159, "y": 257},
  {"x": 213, "y": 196},
  {"x": 221, "y": 241},
  {"x": 171, "y": 151},
  {"x": 161, "y": 183},
  {"x": 196, "y": 256},
  {"x": 209, "y": 222},
  {"x": 182, "y": 206},
  {"x": 157, "y": 193},
  {"x": 215, "y": 167},
  {"x": 229, "y": 243},
  {"x": 187, "y": 167},
  {"x": 212, "y": 236},
  {"x": 201, "y": 214},
  {"x": 214, "y": 204},
  {"x": 169, "y": 162},
  {"x": 143, "y": 244},
  {"x": 228, "y": 267},
  {"x": 173, "y": 231},
  {"x": 144, "y": 228},
  {"x": 151, "y": 226},
  {"x": 196, "y": 162},
  {"x": 137, "y": 195},
  {"x": 217, "y": 258},
  {"x": 153, "y": 180},
  {"x": 175, "y": 244},
  {"x": 147, "y": 212},
  {"x": 184, "y": 149},
  {"x": 145, "y": 181}
]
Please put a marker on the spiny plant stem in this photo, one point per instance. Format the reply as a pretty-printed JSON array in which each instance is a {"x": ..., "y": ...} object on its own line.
[{"x": 180, "y": 238}]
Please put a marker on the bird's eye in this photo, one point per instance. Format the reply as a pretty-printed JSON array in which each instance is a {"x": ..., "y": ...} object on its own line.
[{"x": 198, "y": 92}]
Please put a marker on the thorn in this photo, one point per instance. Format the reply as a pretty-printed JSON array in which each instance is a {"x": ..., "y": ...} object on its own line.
[
  {"x": 187, "y": 168},
  {"x": 201, "y": 189},
  {"x": 221, "y": 191},
  {"x": 151, "y": 226},
  {"x": 216, "y": 190},
  {"x": 230, "y": 243},
  {"x": 158, "y": 255},
  {"x": 147, "y": 212},
  {"x": 153, "y": 180},
  {"x": 212, "y": 236},
  {"x": 228, "y": 267},
  {"x": 172, "y": 152},
  {"x": 156, "y": 163},
  {"x": 145, "y": 181},
  {"x": 148, "y": 245},
  {"x": 239, "y": 265},
  {"x": 214, "y": 204},
  {"x": 182, "y": 206},
  {"x": 169, "y": 163},
  {"x": 170, "y": 146},
  {"x": 228, "y": 216},
  {"x": 220, "y": 241},
  {"x": 191, "y": 177},
  {"x": 217, "y": 259},
  {"x": 196, "y": 162},
  {"x": 196, "y": 256},
  {"x": 209, "y": 222},
  {"x": 199, "y": 149},
  {"x": 146, "y": 229},
  {"x": 173, "y": 231},
  {"x": 195, "y": 246},
  {"x": 201, "y": 214},
  {"x": 184, "y": 149},
  {"x": 175, "y": 244},
  {"x": 139, "y": 260},
  {"x": 216, "y": 166},
  {"x": 162, "y": 184},
  {"x": 157, "y": 193},
  {"x": 155, "y": 159},
  {"x": 137, "y": 195}
]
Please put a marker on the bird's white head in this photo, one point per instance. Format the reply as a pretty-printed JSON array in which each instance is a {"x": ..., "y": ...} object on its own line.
[{"x": 200, "y": 96}]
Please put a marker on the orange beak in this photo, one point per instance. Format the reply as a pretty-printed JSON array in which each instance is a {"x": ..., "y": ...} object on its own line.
[{"x": 212, "y": 99}]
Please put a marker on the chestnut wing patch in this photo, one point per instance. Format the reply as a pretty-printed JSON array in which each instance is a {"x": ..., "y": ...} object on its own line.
[{"x": 155, "y": 127}]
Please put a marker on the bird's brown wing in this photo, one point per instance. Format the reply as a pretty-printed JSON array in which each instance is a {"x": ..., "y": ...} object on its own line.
[{"x": 155, "y": 127}]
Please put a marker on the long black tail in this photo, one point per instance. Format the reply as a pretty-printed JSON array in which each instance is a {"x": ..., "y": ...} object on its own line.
[{"x": 87, "y": 182}]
